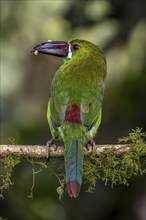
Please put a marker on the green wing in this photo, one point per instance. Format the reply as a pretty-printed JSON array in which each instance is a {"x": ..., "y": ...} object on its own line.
[
  {"x": 91, "y": 104},
  {"x": 60, "y": 96}
]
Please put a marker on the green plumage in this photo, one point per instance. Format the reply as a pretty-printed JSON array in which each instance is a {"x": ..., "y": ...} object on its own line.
[
  {"x": 74, "y": 109},
  {"x": 79, "y": 81}
]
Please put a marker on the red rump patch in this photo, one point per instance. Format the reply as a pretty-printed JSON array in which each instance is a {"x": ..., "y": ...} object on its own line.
[{"x": 73, "y": 115}]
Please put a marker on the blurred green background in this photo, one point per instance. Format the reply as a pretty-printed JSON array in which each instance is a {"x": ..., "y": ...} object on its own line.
[{"x": 119, "y": 28}]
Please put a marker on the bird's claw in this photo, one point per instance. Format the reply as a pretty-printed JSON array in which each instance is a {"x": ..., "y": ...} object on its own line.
[
  {"x": 89, "y": 146},
  {"x": 50, "y": 147}
]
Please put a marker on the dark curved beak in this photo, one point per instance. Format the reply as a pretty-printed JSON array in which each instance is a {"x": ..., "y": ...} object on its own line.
[{"x": 56, "y": 48}]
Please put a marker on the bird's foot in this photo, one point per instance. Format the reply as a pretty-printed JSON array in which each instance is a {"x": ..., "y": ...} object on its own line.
[
  {"x": 50, "y": 147},
  {"x": 89, "y": 146}
]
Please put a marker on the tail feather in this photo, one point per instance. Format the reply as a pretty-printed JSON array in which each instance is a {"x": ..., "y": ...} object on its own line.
[{"x": 74, "y": 166}]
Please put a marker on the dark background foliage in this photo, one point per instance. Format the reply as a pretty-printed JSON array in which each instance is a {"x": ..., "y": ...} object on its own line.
[{"x": 118, "y": 27}]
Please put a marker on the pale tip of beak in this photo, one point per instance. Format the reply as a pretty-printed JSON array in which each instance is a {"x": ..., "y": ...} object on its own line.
[{"x": 36, "y": 52}]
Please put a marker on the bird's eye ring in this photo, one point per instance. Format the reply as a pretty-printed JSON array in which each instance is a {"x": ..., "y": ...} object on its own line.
[{"x": 76, "y": 47}]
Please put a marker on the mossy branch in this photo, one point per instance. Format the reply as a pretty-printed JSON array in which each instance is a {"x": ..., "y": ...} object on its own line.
[
  {"x": 113, "y": 164},
  {"x": 37, "y": 151}
]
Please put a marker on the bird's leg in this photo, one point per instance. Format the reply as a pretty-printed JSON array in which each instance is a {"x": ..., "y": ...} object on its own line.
[
  {"x": 89, "y": 146},
  {"x": 50, "y": 147}
]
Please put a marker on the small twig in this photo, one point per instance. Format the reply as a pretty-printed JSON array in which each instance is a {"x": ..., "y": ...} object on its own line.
[{"x": 37, "y": 151}]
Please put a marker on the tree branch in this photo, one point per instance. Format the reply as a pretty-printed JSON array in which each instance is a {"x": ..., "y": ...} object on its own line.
[{"x": 37, "y": 151}]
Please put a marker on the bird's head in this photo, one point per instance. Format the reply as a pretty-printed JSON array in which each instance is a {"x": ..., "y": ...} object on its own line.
[{"x": 81, "y": 51}]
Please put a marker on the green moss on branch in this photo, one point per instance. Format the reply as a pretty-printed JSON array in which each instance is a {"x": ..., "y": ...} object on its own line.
[
  {"x": 7, "y": 165},
  {"x": 117, "y": 169}
]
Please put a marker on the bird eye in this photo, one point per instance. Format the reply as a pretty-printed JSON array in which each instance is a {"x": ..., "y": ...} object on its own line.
[{"x": 76, "y": 47}]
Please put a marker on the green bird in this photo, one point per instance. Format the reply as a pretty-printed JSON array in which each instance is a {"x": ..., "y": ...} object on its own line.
[{"x": 75, "y": 106}]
